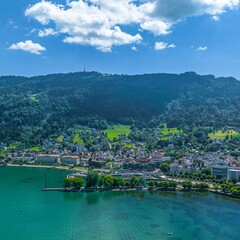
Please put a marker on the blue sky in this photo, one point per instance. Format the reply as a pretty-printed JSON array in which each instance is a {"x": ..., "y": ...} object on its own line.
[{"x": 41, "y": 37}]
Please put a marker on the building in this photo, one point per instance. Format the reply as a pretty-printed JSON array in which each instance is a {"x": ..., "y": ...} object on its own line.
[
  {"x": 156, "y": 155},
  {"x": 79, "y": 149},
  {"x": 27, "y": 157},
  {"x": 48, "y": 158},
  {"x": 109, "y": 165},
  {"x": 117, "y": 165},
  {"x": 72, "y": 160},
  {"x": 220, "y": 171},
  {"x": 234, "y": 174},
  {"x": 175, "y": 168}
]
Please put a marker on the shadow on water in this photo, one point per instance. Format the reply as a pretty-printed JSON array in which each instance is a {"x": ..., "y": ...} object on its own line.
[
  {"x": 94, "y": 198},
  {"x": 73, "y": 196}
]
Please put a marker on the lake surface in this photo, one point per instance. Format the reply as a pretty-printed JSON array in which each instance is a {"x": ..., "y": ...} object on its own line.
[{"x": 28, "y": 213}]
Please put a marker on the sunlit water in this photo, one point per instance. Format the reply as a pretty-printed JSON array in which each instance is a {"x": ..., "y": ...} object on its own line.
[{"x": 26, "y": 212}]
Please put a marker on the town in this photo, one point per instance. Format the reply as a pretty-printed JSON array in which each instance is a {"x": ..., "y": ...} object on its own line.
[{"x": 84, "y": 148}]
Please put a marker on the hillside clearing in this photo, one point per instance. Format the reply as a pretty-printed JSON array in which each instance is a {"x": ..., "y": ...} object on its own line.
[
  {"x": 222, "y": 134},
  {"x": 116, "y": 130}
]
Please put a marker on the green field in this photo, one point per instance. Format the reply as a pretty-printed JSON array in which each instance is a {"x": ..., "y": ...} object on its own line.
[
  {"x": 77, "y": 139},
  {"x": 114, "y": 131},
  {"x": 165, "y": 131},
  {"x": 35, "y": 148},
  {"x": 60, "y": 139},
  {"x": 223, "y": 134}
]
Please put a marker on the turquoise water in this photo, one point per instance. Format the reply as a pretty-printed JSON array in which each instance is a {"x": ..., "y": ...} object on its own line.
[{"x": 28, "y": 213}]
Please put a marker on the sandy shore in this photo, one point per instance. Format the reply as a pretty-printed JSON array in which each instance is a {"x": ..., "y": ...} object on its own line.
[{"x": 39, "y": 166}]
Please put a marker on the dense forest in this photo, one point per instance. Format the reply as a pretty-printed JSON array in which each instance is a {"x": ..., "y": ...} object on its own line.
[{"x": 33, "y": 108}]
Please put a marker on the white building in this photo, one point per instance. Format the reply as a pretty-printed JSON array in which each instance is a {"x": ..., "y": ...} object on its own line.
[
  {"x": 73, "y": 160},
  {"x": 220, "y": 171},
  {"x": 48, "y": 158},
  {"x": 234, "y": 174}
]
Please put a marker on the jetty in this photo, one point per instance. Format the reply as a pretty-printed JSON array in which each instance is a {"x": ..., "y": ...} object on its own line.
[{"x": 94, "y": 189}]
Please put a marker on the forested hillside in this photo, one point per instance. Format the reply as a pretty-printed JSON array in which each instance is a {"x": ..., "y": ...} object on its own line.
[{"x": 32, "y": 108}]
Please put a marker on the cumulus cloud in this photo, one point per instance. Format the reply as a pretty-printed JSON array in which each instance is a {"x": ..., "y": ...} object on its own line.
[
  {"x": 173, "y": 11},
  {"x": 100, "y": 23},
  {"x": 89, "y": 24},
  {"x": 202, "y": 49},
  {"x": 28, "y": 46},
  {"x": 47, "y": 32},
  {"x": 163, "y": 45}
]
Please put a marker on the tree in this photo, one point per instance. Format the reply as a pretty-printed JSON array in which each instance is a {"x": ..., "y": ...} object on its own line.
[
  {"x": 134, "y": 181},
  {"x": 151, "y": 183},
  {"x": 207, "y": 171},
  {"x": 201, "y": 186},
  {"x": 165, "y": 167},
  {"x": 107, "y": 181},
  {"x": 142, "y": 181},
  {"x": 67, "y": 182},
  {"x": 187, "y": 185},
  {"x": 117, "y": 182},
  {"x": 77, "y": 182},
  {"x": 92, "y": 179},
  {"x": 167, "y": 185}
]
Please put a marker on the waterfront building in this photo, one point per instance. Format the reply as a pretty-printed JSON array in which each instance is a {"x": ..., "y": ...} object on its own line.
[
  {"x": 220, "y": 171},
  {"x": 234, "y": 174},
  {"x": 48, "y": 158},
  {"x": 72, "y": 160}
]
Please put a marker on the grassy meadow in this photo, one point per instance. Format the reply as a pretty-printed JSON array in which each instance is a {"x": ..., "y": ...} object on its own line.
[
  {"x": 114, "y": 131},
  {"x": 222, "y": 134}
]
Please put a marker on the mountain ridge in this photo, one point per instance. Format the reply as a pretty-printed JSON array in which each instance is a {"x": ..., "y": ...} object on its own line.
[{"x": 43, "y": 105}]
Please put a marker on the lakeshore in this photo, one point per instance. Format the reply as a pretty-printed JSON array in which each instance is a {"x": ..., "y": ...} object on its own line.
[
  {"x": 136, "y": 189},
  {"x": 66, "y": 168},
  {"x": 38, "y": 166}
]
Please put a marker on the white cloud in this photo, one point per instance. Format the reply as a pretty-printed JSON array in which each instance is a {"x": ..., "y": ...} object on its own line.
[
  {"x": 163, "y": 45},
  {"x": 99, "y": 23},
  {"x": 47, "y": 32},
  {"x": 87, "y": 24},
  {"x": 28, "y": 46},
  {"x": 134, "y": 49},
  {"x": 173, "y": 11},
  {"x": 156, "y": 27},
  {"x": 215, "y": 18},
  {"x": 202, "y": 48}
]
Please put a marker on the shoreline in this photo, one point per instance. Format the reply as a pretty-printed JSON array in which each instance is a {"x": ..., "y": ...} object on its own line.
[
  {"x": 66, "y": 168},
  {"x": 138, "y": 189},
  {"x": 39, "y": 166}
]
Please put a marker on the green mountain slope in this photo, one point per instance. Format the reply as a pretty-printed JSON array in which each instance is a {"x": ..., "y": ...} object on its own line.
[{"x": 32, "y": 108}]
